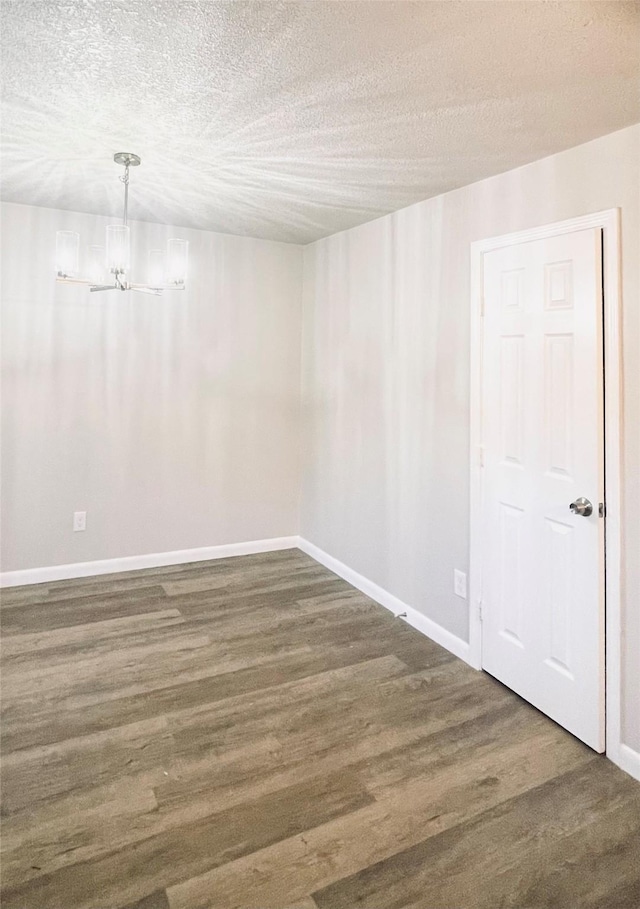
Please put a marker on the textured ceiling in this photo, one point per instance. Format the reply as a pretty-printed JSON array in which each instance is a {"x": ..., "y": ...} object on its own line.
[{"x": 293, "y": 120}]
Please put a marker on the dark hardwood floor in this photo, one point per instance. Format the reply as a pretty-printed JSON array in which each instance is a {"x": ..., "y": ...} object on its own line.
[{"x": 253, "y": 733}]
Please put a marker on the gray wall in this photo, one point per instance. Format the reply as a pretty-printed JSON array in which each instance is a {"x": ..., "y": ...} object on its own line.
[
  {"x": 173, "y": 421},
  {"x": 385, "y": 480}
]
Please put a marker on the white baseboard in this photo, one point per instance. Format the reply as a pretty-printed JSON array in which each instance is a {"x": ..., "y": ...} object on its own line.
[
  {"x": 626, "y": 758},
  {"x": 414, "y": 618},
  {"x": 152, "y": 560}
]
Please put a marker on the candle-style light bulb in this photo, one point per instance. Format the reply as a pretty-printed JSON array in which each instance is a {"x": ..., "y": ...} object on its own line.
[
  {"x": 177, "y": 261},
  {"x": 67, "y": 253},
  {"x": 118, "y": 249}
]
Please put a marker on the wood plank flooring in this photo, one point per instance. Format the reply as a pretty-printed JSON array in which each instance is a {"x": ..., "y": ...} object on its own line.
[{"x": 253, "y": 733}]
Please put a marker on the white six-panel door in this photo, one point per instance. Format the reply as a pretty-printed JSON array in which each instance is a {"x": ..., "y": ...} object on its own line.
[{"x": 542, "y": 436}]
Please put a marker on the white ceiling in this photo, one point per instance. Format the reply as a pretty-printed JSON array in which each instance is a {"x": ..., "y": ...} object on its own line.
[{"x": 293, "y": 120}]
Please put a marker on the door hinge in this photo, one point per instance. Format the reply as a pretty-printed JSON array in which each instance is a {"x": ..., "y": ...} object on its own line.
[
  {"x": 602, "y": 509},
  {"x": 481, "y": 455},
  {"x": 480, "y": 610}
]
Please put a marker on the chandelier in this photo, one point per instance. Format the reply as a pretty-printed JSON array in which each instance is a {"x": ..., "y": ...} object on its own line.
[{"x": 164, "y": 272}]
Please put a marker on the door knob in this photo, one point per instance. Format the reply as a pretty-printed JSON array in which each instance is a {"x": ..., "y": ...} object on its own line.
[{"x": 582, "y": 506}]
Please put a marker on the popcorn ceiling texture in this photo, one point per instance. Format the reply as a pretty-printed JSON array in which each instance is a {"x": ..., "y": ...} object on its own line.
[{"x": 294, "y": 120}]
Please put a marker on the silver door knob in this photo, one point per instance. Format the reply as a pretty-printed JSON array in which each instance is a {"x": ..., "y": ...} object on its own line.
[{"x": 582, "y": 507}]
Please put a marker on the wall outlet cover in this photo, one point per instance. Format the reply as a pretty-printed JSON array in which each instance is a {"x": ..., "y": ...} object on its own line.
[
  {"x": 79, "y": 521},
  {"x": 460, "y": 583}
]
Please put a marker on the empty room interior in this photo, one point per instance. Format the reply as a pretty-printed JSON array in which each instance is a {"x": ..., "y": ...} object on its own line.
[{"x": 320, "y": 552}]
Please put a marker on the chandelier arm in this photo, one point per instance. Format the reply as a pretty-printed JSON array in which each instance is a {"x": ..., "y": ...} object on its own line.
[
  {"x": 146, "y": 289},
  {"x": 64, "y": 279}
]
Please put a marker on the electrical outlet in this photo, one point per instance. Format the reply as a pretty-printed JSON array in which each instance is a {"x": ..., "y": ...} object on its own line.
[
  {"x": 79, "y": 521},
  {"x": 460, "y": 583}
]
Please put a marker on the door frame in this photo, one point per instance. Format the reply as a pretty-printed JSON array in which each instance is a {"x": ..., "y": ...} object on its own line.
[{"x": 609, "y": 221}]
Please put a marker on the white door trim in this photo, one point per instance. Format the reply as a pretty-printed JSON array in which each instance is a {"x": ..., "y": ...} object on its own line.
[{"x": 609, "y": 221}]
